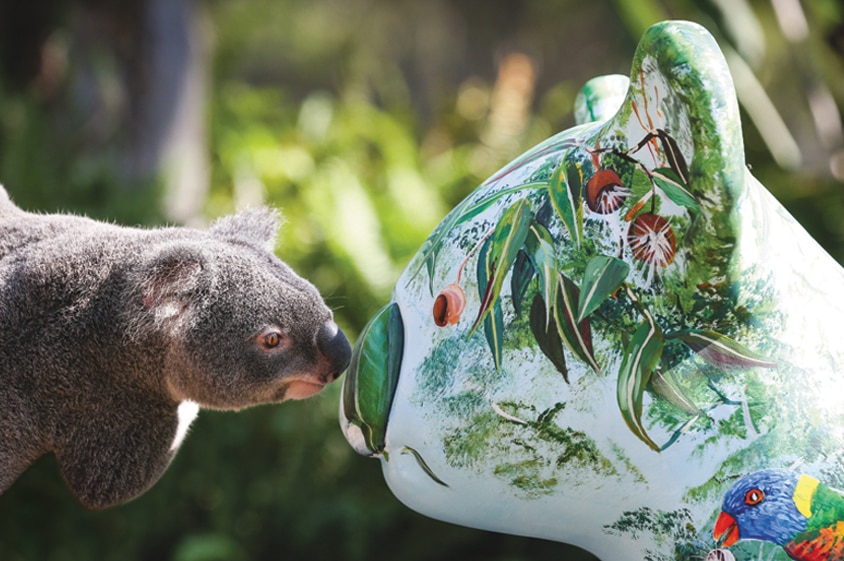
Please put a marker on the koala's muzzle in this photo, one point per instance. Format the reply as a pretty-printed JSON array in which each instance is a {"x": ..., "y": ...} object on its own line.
[
  {"x": 332, "y": 343},
  {"x": 335, "y": 354}
]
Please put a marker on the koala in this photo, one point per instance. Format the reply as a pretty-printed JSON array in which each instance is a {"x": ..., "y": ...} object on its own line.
[{"x": 109, "y": 335}]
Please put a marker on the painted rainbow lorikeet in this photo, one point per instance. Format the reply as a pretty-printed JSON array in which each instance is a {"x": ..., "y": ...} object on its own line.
[{"x": 795, "y": 511}]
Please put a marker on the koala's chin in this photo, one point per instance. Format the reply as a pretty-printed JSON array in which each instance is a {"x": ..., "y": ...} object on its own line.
[{"x": 300, "y": 389}]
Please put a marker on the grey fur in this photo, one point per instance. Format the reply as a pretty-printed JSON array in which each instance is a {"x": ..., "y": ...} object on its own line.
[{"x": 105, "y": 330}]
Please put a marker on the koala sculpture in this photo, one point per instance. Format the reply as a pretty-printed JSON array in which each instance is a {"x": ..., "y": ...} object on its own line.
[
  {"x": 112, "y": 338},
  {"x": 620, "y": 340}
]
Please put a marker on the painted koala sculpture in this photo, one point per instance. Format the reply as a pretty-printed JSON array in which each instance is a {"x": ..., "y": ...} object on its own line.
[{"x": 619, "y": 341}]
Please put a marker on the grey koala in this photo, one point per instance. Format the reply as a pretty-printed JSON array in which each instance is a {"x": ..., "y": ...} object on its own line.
[{"x": 109, "y": 334}]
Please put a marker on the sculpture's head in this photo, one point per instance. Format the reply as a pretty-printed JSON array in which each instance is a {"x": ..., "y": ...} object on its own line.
[{"x": 598, "y": 341}]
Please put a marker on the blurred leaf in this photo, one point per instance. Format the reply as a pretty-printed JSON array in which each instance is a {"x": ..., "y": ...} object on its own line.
[{"x": 209, "y": 547}]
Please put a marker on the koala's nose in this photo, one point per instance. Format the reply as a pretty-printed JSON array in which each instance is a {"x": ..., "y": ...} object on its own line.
[{"x": 335, "y": 346}]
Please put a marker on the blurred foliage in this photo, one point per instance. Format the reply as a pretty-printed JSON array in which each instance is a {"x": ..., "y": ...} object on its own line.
[
  {"x": 43, "y": 167},
  {"x": 365, "y": 121}
]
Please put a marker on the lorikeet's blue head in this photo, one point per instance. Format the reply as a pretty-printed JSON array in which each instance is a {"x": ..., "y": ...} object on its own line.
[{"x": 761, "y": 506}]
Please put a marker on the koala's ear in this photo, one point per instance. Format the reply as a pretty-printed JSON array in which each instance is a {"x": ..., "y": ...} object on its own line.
[
  {"x": 170, "y": 281},
  {"x": 257, "y": 225}
]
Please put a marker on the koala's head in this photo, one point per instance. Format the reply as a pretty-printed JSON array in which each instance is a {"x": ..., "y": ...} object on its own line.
[{"x": 240, "y": 327}]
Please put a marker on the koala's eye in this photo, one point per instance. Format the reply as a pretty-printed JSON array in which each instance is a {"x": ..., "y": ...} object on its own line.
[{"x": 271, "y": 340}]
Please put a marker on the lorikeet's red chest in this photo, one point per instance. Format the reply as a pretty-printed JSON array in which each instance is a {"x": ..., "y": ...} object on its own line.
[{"x": 825, "y": 545}]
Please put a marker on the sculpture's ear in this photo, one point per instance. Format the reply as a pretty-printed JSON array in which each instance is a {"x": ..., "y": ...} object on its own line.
[
  {"x": 662, "y": 163},
  {"x": 682, "y": 100},
  {"x": 257, "y": 225}
]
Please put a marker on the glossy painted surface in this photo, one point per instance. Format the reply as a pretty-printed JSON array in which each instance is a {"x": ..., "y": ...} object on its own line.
[{"x": 605, "y": 336}]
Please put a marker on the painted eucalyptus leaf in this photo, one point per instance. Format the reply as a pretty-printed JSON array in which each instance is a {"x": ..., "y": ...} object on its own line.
[
  {"x": 493, "y": 320},
  {"x": 565, "y": 190},
  {"x": 672, "y": 185},
  {"x": 576, "y": 334},
  {"x": 547, "y": 335},
  {"x": 540, "y": 248},
  {"x": 664, "y": 384},
  {"x": 501, "y": 252},
  {"x": 602, "y": 277},
  {"x": 464, "y": 212},
  {"x": 373, "y": 373},
  {"x": 640, "y": 359},
  {"x": 674, "y": 156},
  {"x": 520, "y": 279},
  {"x": 721, "y": 351}
]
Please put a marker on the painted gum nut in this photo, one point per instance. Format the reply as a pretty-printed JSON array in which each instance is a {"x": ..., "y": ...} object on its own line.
[
  {"x": 448, "y": 305},
  {"x": 604, "y": 192},
  {"x": 652, "y": 240}
]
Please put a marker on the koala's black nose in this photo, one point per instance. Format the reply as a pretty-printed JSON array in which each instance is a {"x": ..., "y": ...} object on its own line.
[{"x": 333, "y": 343}]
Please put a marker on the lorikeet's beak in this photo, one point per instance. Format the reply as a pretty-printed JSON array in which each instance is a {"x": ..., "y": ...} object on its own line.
[{"x": 726, "y": 528}]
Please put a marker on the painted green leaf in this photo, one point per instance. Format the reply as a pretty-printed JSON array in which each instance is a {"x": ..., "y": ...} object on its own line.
[
  {"x": 664, "y": 384},
  {"x": 494, "y": 333},
  {"x": 520, "y": 279},
  {"x": 501, "y": 251},
  {"x": 493, "y": 321},
  {"x": 602, "y": 277},
  {"x": 641, "y": 182},
  {"x": 674, "y": 188},
  {"x": 540, "y": 247},
  {"x": 465, "y": 211},
  {"x": 674, "y": 155},
  {"x": 576, "y": 335},
  {"x": 423, "y": 464},
  {"x": 372, "y": 376},
  {"x": 544, "y": 149},
  {"x": 565, "y": 189},
  {"x": 720, "y": 351},
  {"x": 547, "y": 335},
  {"x": 640, "y": 359}
]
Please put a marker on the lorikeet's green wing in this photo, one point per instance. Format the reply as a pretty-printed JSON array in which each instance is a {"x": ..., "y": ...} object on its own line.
[
  {"x": 823, "y": 539},
  {"x": 827, "y": 506}
]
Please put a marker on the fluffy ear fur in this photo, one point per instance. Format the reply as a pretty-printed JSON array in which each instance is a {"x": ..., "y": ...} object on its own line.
[
  {"x": 256, "y": 225},
  {"x": 168, "y": 283}
]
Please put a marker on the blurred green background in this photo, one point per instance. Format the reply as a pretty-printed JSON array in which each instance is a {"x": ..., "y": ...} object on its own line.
[{"x": 364, "y": 121}]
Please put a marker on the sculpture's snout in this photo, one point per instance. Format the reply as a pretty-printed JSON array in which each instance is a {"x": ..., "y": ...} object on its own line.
[{"x": 371, "y": 381}]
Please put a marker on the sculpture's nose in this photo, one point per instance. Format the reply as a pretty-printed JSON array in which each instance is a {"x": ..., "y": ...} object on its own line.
[
  {"x": 335, "y": 346},
  {"x": 371, "y": 381}
]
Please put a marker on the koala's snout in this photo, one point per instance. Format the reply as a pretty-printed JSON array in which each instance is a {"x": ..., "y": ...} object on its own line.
[{"x": 332, "y": 342}]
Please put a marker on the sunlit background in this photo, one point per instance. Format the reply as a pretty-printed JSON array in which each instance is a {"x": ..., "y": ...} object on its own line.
[{"x": 364, "y": 121}]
